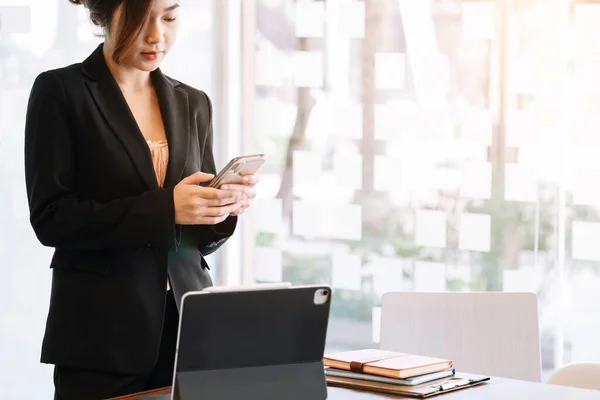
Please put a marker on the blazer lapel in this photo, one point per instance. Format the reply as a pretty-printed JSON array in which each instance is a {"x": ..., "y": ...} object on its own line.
[
  {"x": 174, "y": 107},
  {"x": 112, "y": 104}
]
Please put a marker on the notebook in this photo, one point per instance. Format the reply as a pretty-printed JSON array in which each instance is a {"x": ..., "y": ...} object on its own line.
[
  {"x": 413, "y": 381},
  {"x": 386, "y": 363}
]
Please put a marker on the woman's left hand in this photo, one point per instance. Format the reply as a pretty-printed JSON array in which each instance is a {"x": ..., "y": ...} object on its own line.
[{"x": 247, "y": 190}]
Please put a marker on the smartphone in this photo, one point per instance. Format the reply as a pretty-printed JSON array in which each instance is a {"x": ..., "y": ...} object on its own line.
[{"x": 235, "y": 170}]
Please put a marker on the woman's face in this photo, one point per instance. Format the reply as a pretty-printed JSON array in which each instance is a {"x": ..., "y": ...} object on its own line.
[{"x": 156, "y": 38}]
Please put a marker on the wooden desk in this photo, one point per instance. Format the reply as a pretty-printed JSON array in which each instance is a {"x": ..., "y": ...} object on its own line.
[{"x": 496, "y": 389}]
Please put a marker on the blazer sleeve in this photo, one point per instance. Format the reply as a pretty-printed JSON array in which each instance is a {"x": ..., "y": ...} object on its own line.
[
  {"x": 61, "y": 218},
  {"x": 208, "y": 238}
]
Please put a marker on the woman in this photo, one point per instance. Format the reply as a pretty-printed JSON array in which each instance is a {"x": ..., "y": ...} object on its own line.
[{"x": 116, "y": 155}]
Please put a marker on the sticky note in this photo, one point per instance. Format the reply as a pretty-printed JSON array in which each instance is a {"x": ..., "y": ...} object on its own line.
[
  {"x": 475, "y": 232},
  {"x": 430, "y": 228},
  {"x": 351, "y": 19},
  {"x": 268, "y": 264},
  {"x": 307, "y": 219},
  {"x": 345, "y": 222},
  {"x": 431, "y": 73},
  {"x": 585, "y": 241},
  {"x": 477, "y": 20},
  {"x": 586, "y": 186},
  {"x": 268, "y": 215},
  {"x": 386, "y": 122},
  {"x": 399, "y": 120},
  {"x": 437, "y": 124},
  {"x": 387, "y": 274},
  {"x": 310, "y": 19},
  {"x": 525, "y": 76},
  {"x": 477, "y": 125},
  {"x": 266, "y": 117},
  {"x": 386, "y": 174},
  {"x": 521, "y": 128},
  {"x": 419, "y": 27},
  {"x": 476, "y": 180},
  {"x": 350, "y": 121},
  {"x": 308, "y": 70},
  {"x": 586, "y": 123},
  {"x": 315, "y": 219},
  {"x": 329, "y": 189},
  {"x": 346, "y": 272},
  {"x": 519, "y": 280},
  {"x": 447, "y": 178},
  {"x": 273, "y": 119},
  {"x": 544, "y": 156},
  {"x": 322, "y": 120},
  {"x": 348, "y": 170},
  {"x": 467, "y": 150},
  {"x": 390, "y": 70},
  {"x": 582, "y": 157},
  {"x": 429, "y": 277},
  {"x": 586, "y": 29},
  {"x": 269, "y": 184},
  {"x": 520, "y": 183},
  {"x": 267, "y": 69},
  {"x": 306, "y": 167},
  {"x": 585, "y": 75}
]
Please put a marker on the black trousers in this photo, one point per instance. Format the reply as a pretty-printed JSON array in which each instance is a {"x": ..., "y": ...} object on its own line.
[{"x": 78, "y": 384}]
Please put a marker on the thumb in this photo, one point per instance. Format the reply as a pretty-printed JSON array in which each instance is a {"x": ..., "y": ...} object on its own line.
[{"x": 198, "y": 177}]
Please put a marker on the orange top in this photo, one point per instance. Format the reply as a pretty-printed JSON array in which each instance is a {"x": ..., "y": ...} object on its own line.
[{"x": 159, "y": 149}]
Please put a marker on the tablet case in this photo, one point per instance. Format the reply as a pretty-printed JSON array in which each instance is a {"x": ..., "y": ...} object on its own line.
[{"x": 252, "y": 345}]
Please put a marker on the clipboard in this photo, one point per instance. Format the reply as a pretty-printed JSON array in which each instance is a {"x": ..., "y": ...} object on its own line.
[{"x": 434, "y": 388}]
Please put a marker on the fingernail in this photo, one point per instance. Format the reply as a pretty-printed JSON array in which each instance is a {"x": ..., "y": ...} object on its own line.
[
  {"x": 225, "y": 187},
  {"x": 245, "y": 179}
]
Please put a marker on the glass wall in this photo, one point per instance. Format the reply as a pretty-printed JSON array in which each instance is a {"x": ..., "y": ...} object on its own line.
[
  {"x": 581, "y": 200},
  {"x": 430, "y": 146},
  {"x": 36, "y": 35}
]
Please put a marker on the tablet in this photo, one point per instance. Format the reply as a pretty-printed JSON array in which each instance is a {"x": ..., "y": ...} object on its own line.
[
  {"x": 252, "y": 344},
  {"x": 246, "y": 288}
]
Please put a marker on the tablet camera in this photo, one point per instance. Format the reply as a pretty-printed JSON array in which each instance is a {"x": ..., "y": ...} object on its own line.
[{"x": 321, "y": 296}]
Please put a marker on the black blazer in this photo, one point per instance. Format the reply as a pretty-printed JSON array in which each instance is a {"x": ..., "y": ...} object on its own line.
[{"x": 94, "y": 197}]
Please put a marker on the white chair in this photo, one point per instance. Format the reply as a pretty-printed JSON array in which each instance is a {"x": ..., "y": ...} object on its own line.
[
  {"x": 580, "y": 375},
  {"x": 493, "y": 334}
]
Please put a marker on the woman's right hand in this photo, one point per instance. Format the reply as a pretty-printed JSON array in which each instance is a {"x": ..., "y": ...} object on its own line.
[{"x": 197, "y": 205}]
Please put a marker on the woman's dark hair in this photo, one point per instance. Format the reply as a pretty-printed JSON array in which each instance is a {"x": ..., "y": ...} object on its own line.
[{"x": 134, "y": 15}]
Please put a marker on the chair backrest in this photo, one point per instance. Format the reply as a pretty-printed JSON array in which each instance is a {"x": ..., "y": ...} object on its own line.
[
  {"x": 580, "y": 375},
  {"x": 494, "y": 334}
]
